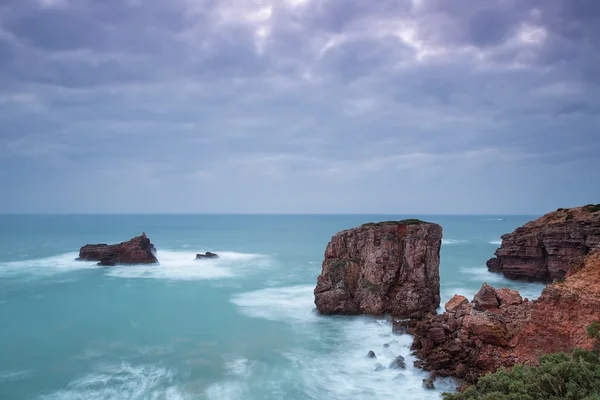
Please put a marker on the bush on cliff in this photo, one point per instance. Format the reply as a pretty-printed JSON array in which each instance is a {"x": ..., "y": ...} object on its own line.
[{"x": 559, "y": 376}]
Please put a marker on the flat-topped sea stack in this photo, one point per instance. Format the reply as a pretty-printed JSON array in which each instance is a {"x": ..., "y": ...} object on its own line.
[
  {"x": 386, "y": 268},
  {"x": 138, "y": 250},
  {"x": 544, "y": 249},
  {"x": 500, "y": 329}
]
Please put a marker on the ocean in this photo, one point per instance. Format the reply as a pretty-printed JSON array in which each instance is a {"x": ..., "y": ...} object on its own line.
[{"x": 239, "y": 327}]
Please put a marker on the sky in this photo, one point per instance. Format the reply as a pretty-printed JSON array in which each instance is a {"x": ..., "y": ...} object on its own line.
[{"x": 299, "y": 106}]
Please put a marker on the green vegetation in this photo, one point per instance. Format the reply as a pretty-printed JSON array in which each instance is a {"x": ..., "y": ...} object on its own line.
[
  {"x": 593, "y": 208},
  {"x": 559, "y": 376},
  {"x": 410, "y": 221},
  {"x": 569, "y": 216}
]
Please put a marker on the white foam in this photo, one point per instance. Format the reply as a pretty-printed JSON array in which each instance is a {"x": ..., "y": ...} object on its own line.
[
  {"x": 495, "y": 242},
  {"x": 15, "y": 375},
  {"x": 121, "y": 381},
  {"x": 291, "y": 304},
  {"x": 454, "y": 241},
  {"x": 182, "y": 265},
  {"x": 45, "y": 266},
  {"x": 331, "y": 363}
]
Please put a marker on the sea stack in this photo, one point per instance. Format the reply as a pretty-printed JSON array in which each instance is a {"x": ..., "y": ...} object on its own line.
[
  {"x": 138, "y": 250},
  {"x": 544, "y": 249},
  {"x": 382, "y": 268}
]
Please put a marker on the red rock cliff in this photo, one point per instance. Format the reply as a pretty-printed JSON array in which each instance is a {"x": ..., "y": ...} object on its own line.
[
  {"x": 543, "y": 249},
  {"x": 138, "y": 250},
  {"x": 383, "y": 268},
  {"x": 499, "y": 329}
]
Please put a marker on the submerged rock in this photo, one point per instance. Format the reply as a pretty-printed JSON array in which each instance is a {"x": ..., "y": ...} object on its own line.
[
  {"x": 379, "y": 367},
  {"x": 398, "y": 363},
  {"x": 428, "y": 383},
  {"x": 138, "y": 250},
  {"x": 371, "y": 354},
  {"x": 545, "y": 249},
  {"x": 208, "y": 254},
  {"x": 382, "y": 268}
]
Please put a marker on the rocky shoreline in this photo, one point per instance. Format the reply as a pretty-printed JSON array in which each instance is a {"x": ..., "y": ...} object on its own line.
[{"x": 392, "y": 268}]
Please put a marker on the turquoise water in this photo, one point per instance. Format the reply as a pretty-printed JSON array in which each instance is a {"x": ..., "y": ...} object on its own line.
[{"x": 240, "y": 327}]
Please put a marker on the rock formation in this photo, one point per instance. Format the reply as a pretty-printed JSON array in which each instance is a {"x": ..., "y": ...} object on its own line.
[
  {"x": 543, "y": 250},
  {"x": 208, "y": 254},
  {"x": 382, "y": 268},
  {"x": 138, "y": 250},
  {"x": 499, "y": 328}
]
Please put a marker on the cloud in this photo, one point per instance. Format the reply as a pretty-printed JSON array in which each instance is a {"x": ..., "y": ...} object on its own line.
[{"x": 299, "y": 106}]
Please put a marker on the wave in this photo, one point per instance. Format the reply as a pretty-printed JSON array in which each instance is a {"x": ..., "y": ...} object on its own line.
[
  {"x": 121, "y": 381},
  {"x": 331, "y": 361},
  {"x": 174, "y": 265},
  {"x": 45, "y": 266},
  {"x": 495, "y": 242},
  {"x": 182, "y": 265},
  {"x": 291, "y": 304},
  {"x": 454, "y": 241}
]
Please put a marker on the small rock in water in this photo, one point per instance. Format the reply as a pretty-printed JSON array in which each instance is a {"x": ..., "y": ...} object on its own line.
[
  {"x": 386, "y": 345},
  {"x": 208, "y": 254},
  {"x": 428, "y": 383},
  {"x": 379, "y": 367},
  {"x": 398, "y": 363},
  {"x": 371, "y": 354}
]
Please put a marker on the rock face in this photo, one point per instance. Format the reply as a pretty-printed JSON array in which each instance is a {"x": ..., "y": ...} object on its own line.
[
  {"x": 138, "y": 250},
  {"x": 542, "y": 250},
  {"x": 208, "y": 254},
  {"x": 498, "y": 328},
  {"x": 382, "y": 268}
]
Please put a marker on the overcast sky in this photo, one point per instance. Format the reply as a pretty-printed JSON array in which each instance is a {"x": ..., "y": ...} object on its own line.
[{"x": 302, "y": 106}]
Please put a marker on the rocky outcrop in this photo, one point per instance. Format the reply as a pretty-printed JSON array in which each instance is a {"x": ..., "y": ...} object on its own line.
[
  {"x": 498, "y": 328},
  {"x": 543, "y": 250},
  {"x": 138, "y": 250},
  {"x": 382, "y": 268},
  {"x": 206, "y": 255}
]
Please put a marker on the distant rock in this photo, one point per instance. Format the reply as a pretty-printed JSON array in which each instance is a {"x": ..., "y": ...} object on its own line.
[
  {"x": 138, "y": 250},
  {"x": 382, "y": 268},
  {"x": 545, "y": 249},
  {"x": 206, "y": 255}
]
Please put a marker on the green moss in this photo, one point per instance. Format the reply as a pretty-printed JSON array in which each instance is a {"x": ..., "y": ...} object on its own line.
[{"x": 410, "y": 221}]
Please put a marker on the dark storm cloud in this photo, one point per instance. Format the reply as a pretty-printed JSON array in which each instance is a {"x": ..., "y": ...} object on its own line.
[{"x": 305, "y": 106}]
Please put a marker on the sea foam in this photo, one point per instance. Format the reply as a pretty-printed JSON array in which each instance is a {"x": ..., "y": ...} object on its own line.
[
  {"x": 121, "y": 381},
  {"x": 182, "y": 265},
  {"x": 453, "y": 241},
  {"x": 45, "y": 266},
  {"x": 331, "y": 362}
]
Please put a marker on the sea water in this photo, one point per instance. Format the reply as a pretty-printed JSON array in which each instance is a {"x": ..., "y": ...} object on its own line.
[{"x": 242, "y": 326}]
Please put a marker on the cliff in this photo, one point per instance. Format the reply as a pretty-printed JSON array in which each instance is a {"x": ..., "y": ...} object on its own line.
[
  {"x": 138, "y": 250},
  {"x": 543, "y": 250},
  {"x": 382, "y": 268},
  {"x": 498, "y": 328}
]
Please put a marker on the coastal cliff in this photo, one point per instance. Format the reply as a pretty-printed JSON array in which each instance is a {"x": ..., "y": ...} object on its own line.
[
  {"x": 500, "y": 329},
  {"x": 382, "y": 268},
  {"x": 544, "y": 249},
  {"x": 138, "y": 250}
]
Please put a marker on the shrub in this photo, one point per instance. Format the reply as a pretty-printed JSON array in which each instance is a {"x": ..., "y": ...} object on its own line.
[{"x": 559, "y": 376}]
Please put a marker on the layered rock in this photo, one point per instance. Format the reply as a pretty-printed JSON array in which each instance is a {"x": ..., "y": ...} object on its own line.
[
  {"x": 382, "y": 268},
  {"x": 543, "y": 250},
  {"x": 498, "y": 328},
  {"x": 138, "y": 250}
]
